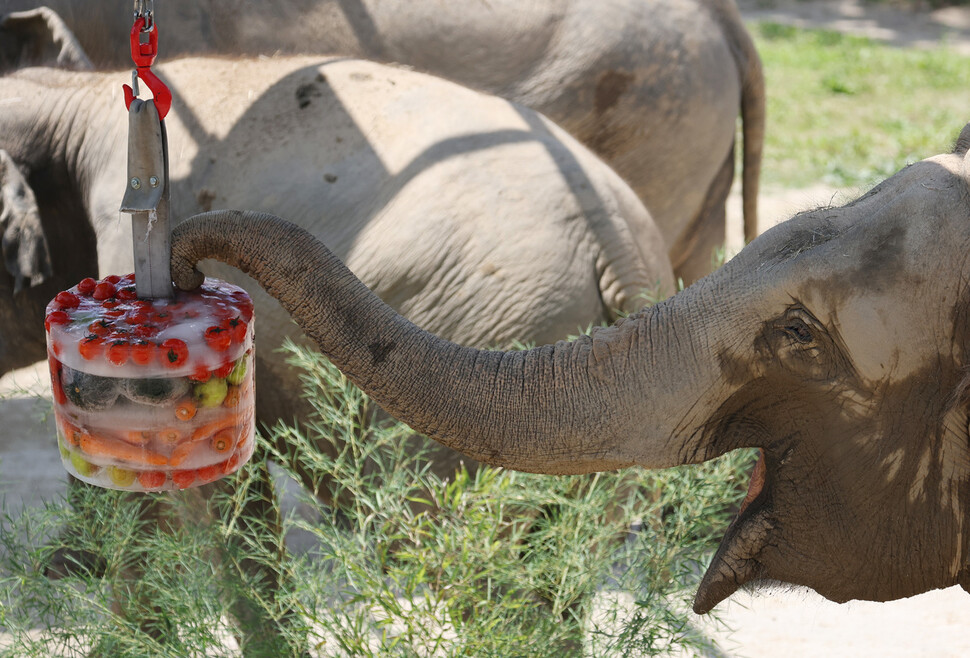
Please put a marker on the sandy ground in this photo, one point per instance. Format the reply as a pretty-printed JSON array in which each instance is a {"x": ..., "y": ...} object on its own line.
[{"x": 769, "y": 623}]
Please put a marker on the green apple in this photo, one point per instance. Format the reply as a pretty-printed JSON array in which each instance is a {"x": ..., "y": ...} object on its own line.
[
  {"x": 82, "y": 466},
  {"x": 238, "y": 372},
  {"x": 210, "y": 393}
]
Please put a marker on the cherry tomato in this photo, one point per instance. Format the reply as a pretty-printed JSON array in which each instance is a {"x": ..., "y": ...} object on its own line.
[
  {"x": 161, "y": 317},
  {"x": 137, "y": 316},
  {"x": 151, "y": 479},
  {"x": 55, "y": 369},
  {"x": 91, "y": 347},
  {"x": 87, "y": 286},
  {"x": 127, "y": 293},
  {"x": 145, "y": 331},
  {"x": 104, "y": 290},
  {"x": 118, "y": 351},
  {"x": 183, "y": 479},
  {"x": 208, "y": 473},
  {"x": 100, "y": 327},
  {"x": 218, "y": 338},
  {"x": 237, "y": 328},
  {"x": 174, "y": 352},
  {"x": 142, "y": 352},
  {"x": 67, "y": 299},
  {"x": 56, "y": 317},
  {"x": 201, "y": 374},
  {"x": 232, "y": 463}
]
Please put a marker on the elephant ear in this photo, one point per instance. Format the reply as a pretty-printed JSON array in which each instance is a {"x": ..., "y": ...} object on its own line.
[
  {"x": 26, "y": 255},
  {"x": 39, "y": 37}
]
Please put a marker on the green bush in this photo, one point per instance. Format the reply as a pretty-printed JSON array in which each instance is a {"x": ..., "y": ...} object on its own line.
[
  {"x": 849, "y": 111},
  {"x": 487, "y": 563}
]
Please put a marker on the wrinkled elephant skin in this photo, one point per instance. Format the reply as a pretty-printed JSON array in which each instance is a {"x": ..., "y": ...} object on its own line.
[
  {"x": 654, "y": 87},
  {"x": 476, "y": 218},
  {"x": 838, "y": 343}
]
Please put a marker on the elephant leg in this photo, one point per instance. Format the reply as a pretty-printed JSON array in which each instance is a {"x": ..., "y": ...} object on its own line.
[{"x": 693, "y": 254}]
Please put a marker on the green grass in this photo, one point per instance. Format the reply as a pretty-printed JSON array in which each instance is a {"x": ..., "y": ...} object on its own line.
[
  {"x": 486, "y": 563},
  {"x": 848, "y": 111}
]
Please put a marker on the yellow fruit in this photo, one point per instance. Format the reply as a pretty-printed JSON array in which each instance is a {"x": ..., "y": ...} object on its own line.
[
  {"x": 121, "y": 477},
  {"x": 82, "y": 466}
]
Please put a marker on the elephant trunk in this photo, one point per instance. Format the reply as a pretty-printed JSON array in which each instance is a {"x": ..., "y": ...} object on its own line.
[{"x": 572, "y": 407}]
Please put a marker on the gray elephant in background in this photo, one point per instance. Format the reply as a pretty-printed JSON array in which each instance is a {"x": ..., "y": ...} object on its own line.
[{"x": 654, "y": 87}]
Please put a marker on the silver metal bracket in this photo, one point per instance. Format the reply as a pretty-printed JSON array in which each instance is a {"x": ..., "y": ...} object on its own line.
[{"x": 147, "y": 199}]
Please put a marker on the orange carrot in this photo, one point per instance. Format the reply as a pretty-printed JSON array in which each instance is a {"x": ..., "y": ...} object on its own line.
[
  {"x": 209, "y": 429},
  {"x": 138, "y": 437},
  {"x": 185, "y": 410},
  {"x": 223, "y": 440},
  {"x": 100, "y": 446},
  {"x": 72, "y": 434},
  {"x": 169, "y": 435},
  {"x": 232, "y": 397},
  {"x": 182, "y": 452}
]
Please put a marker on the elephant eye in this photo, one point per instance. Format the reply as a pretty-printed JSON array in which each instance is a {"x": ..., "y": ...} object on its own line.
[
  {"x": 798, "y": 342},
  {"x": 798, "y": 330}
]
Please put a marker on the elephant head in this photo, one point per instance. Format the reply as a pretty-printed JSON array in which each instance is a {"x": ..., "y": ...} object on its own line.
[
  {"x": 40, "y": 254},
  {"x": 26, "y": 266},
  {"x": 837, "y": 343},
  {"x": 39, "y": 37}
]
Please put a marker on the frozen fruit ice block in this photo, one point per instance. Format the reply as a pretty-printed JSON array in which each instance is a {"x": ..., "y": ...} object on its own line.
[{"x": 151, "y": 395}]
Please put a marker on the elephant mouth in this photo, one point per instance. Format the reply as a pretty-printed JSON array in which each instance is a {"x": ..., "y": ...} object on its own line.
[
  {"x": 735, "y": 562},
  {"x": 757, "y": 482}
]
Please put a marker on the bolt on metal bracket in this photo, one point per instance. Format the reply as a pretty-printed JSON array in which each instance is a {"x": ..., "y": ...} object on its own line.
[{"x": 149, "y": 204}]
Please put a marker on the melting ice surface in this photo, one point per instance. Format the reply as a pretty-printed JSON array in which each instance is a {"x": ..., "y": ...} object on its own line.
[{"x": 152, "y": 394}]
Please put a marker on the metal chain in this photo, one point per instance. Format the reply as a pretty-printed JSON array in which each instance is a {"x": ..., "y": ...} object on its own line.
[{"x": 146, "y": 9}]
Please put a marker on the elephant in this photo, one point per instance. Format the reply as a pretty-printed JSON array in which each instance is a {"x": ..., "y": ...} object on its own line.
[
  {"x": 836, "y": 343},
  {"x": 654, "y": 87},
  {"x": 475, "y": 217}
]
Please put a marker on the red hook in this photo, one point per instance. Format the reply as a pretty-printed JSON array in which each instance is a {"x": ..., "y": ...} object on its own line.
[{"x": 143, "y": 54}]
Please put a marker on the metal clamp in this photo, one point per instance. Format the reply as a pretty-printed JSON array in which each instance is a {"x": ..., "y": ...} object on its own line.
[{"x": 147, "y": 199}]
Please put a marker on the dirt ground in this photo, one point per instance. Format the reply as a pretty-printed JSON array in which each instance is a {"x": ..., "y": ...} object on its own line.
[{"x": 769, "y": 623}]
